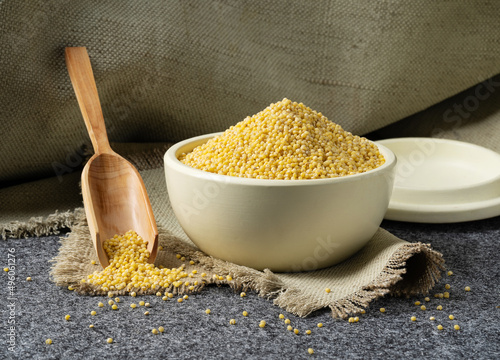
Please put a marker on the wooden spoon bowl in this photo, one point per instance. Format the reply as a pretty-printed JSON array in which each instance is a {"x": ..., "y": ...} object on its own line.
[{"x": 114, "y": 195}]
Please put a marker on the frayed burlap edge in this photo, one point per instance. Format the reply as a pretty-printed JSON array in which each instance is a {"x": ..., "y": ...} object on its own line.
[
  {"x": 72, "y": 264},
  {"x": 38, "y": 226},
  {"x": 392, "y": 280},
  {"x": 413, "y": 269}
]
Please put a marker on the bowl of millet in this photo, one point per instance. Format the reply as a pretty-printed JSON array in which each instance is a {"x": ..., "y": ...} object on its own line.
[{"x": 285, "y": 189}]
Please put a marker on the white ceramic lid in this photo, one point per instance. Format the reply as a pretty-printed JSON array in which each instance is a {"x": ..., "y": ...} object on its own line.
[{"x": 443, "y": 181}]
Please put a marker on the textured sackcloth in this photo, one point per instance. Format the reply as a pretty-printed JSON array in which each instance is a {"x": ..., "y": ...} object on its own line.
[
  {"x": 167, "y": 70},
  {"x": 386, "y": 264}
]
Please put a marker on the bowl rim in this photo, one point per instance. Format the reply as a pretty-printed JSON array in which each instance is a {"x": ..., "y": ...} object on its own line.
[{"x": 171, "y": 161}]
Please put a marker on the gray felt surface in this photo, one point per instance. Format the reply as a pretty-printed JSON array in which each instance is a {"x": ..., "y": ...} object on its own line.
[{"x": 470, "y": 249}]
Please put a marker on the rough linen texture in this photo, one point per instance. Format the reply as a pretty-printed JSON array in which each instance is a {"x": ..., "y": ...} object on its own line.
[
  {"x": 386, "y": 264},
  {"x": 471, "y": 249},
  {"x": 471, "y": 116},
  {"x": 170, "y": 69}
]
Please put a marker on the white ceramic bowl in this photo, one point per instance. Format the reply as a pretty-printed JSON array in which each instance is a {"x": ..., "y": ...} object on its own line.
[{"x": 283, "y": 225}]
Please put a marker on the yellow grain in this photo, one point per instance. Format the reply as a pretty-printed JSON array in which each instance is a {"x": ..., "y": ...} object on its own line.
[{"x": 286, "y": 141}]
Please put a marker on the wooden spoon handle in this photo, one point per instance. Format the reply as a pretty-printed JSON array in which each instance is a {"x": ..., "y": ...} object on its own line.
[{"x": 82, "y": 78}]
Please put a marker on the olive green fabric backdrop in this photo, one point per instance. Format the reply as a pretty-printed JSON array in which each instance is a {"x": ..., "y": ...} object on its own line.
[{"x": 167, "y": 70}]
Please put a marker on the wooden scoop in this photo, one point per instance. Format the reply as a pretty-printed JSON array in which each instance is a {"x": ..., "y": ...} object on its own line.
[{"x": 114, "y": 195}]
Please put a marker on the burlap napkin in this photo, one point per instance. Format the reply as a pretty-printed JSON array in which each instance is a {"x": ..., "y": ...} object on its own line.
[{"x": 385, "y": 265}]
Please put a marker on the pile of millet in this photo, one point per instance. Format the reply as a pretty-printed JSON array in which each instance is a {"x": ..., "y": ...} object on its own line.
[
  {"x": 129, "y": 268},
  {"x": 286, "y": 141}
]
